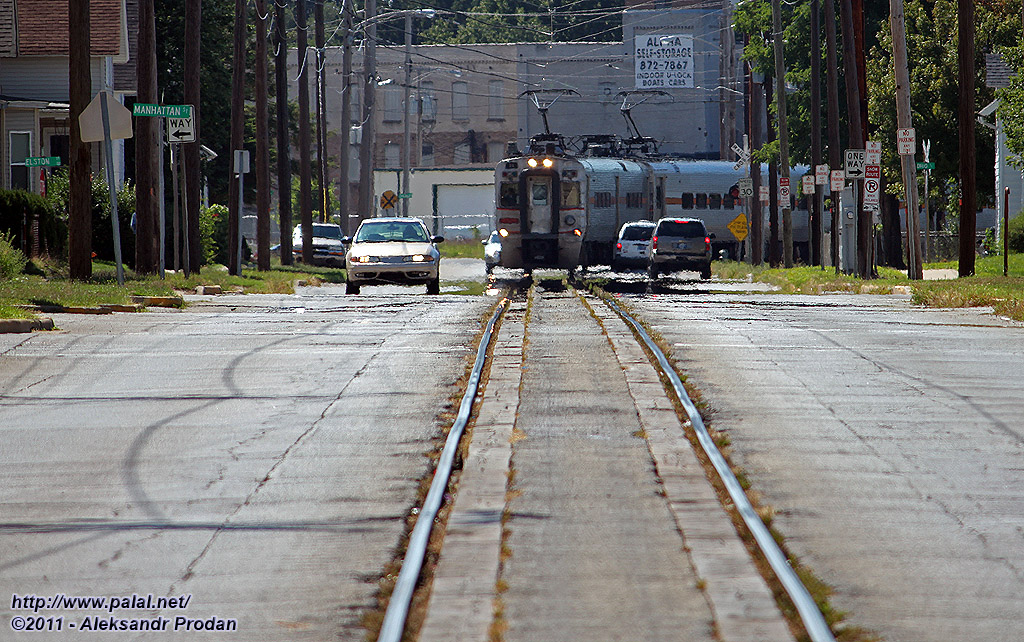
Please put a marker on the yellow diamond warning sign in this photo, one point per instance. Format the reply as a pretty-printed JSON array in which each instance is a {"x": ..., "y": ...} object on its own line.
[{"x": 738, "y": 227}]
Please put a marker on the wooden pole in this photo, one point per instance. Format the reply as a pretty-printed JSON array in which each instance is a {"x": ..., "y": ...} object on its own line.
[
  {"x": 305, "y": 179},
  {"x": 237, "y": 131},
  {"x": 780, "y": 81},
  {"x": 262, "y": 164},
  {"x": 80, "y": 223},
  {"x": 817, "y": 228},
  {"x": 968, "y": 196},
  {"x": 904, "y": 121},
  {"x": 284, "y": 161},
  {"x": 834, "y": 151},
  {"x": 147, "y": 154},
  {"x": 190, "y": 151},
  {"x": 856, "y": 131}
]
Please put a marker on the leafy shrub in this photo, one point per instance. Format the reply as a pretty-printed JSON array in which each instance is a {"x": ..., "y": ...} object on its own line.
[
  {"x": 213, "y": 235},
  {"x": 1016, "y": 235},
  {"x": 12, "y": 261},
  {"x": 18, "y": 207},
  {"x": 58, "y": 193}
]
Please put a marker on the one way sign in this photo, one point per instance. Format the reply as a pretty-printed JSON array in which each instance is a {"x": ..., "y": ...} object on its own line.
[{"x": 181, "y": 130}]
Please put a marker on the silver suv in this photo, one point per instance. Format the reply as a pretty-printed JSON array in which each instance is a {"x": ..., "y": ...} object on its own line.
[{"x": 680, "y": 244}]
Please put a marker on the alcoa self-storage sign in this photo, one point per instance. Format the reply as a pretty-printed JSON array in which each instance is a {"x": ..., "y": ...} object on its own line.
[{"x": 663, "y": 62}]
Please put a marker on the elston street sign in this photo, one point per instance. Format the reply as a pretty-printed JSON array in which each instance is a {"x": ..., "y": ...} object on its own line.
[
  {"x": 162, "y": 111},
  {"x": 42, "y": 161}
]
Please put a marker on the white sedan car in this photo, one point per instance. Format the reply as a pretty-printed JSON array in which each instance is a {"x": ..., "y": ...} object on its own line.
[
  {"x": 392, "y": 250},
  {"x": 492, "y": 251}
]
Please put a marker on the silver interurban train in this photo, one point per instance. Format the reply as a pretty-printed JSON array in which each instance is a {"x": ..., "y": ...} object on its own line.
[{"x": 556, "y": 209}]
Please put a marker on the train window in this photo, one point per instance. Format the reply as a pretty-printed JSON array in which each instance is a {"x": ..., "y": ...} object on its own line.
[
  {"x": 728, "y": 202},
  {"x": 510, "y": 195},
  {"x": 570, "y": 194},
  {"x": 634, "y": 200},
  {"x": 687, "y": 201},
  {"x": 714, "y": 201},
  {"x": 702, "y": 202},
  {"x": 659, "y": 197},
  {"x": 603, "y": 199},
  {"x": 539, "y": 193}
]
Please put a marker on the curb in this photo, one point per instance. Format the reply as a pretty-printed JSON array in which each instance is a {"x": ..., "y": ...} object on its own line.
[{"x": 8, "y": 326}]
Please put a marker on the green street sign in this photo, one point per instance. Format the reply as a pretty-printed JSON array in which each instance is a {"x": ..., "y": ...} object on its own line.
[
  {"x": 926, "y": 165},
  {"x": 42, "y": 161},
  {"x": 162, "y": 111},
  {"x": 406, "y": 195}
]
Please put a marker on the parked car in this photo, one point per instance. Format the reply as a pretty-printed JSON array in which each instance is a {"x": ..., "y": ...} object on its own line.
[
  {"x": 392, "y": 250},
  {"x": 680, "y": 244},
  {"x": 327, "y": 246},
  {"x": 492, "y": 251},
  {"x": 633, "y": 247}
]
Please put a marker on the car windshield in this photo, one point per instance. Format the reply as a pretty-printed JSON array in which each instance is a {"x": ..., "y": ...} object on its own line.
[
  {"x": 638, "y": 233},
  {"x": 327, "y": 231},
  {"x": 688, "y": 229},
  {"x": 382, "y": 231}
]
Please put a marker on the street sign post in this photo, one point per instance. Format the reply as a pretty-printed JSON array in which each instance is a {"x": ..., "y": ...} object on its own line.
[
  {"x": 872, "y": 152},
  {"x": 42, "y": 161},
  {"x": 821, "y": 174},
  {"x": 837, "y": 181},
  {"x": 855, "y": 163},
  {"x": 162, "y": 111},
  {"x": 807, "y": 183},
  {"x": 906, "y": 143},
  {"x": 746, "y": 186},
  {"x": 921, "y": 165},
  {"x": 872, "y": 184}
]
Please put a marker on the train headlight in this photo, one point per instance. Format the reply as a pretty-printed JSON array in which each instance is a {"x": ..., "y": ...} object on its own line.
[
  {"x": 577, "y": 232},
  {"x": 503, "y": 233},
  {"x": 548, "y": 163},
  {"x": 532, "y": 162}
]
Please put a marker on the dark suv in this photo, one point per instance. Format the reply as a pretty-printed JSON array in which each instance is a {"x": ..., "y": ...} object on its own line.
[{"x": 680, "y": 244}]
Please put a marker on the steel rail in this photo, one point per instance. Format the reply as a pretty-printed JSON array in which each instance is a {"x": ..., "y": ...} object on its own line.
[
  {"x": 401, "y": 597},
  {"x": 810, "y": 614}
]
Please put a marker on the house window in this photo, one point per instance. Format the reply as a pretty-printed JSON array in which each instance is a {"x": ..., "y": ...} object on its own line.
[
  {"x": 460, "y": 101},
  {"x": 495, "y": 152},
  {"x": 20, "y": 146},
  {"x": 392, "y": 106},
  {"x": 687, "y": 201},
  {"x": 495, "y": 100},
  {"x": 428, "y": 103},
  {"x": 392, "y": 155},
  {"x": 462, "y": 154},
  {"x": 427, "y": 154}
]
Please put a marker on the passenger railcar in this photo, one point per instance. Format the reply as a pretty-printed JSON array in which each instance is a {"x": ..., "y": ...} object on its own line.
[{"x": 557, "y": 210}]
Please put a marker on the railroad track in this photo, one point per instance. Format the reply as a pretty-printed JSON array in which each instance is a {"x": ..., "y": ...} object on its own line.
[{"x": 583, "y": 511}]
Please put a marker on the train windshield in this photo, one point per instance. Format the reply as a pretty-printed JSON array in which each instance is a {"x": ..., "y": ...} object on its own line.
[
  {"x": 509, "y": 195},
  {"x": 570, "y": 194},
  {"x": 539, "y": 193}
]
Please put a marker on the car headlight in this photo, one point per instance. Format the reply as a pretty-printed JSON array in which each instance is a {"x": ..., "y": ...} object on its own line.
[
  {"x": 365, "y": 259},
  {"x": 420, "y": 258}
]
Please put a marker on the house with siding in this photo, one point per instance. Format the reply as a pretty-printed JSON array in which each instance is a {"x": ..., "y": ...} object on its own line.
[{"x": 34, "y": 94}]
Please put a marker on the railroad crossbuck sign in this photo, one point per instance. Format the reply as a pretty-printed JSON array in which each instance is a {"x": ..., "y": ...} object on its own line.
[
  {"x": 738, "y": 227},
  {"x": 388, "y": 200}
]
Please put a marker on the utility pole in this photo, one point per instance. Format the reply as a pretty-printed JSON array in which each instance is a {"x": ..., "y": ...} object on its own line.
[
  {"x": 834, "y": 156},
  {"x": 305, "y": 180},
  {"x": 968, "y": 196},
  {"x": 774, "y": 260},
  {"x": 857, "y": 138},
  {"x": 193, "y": 186},
  {"x": 284, "y": 160},
  {"x": 321, "y": 112},
  {"x": 344, "y": 185},
  {"x": 817, "y": 227},
  {"x": 79, "y": 77},
  {"x": 262, "y": 143},
  {"x": 757, "y": 208},
  {"x": 905, "y": 121},
  {"x": 237, "y": 131},
  {"x": 366, "y": 146},
  {"x": 148, "y": 155},
  {"x": 406, "y": 136},
  {"x": 780, "y": 80}
]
